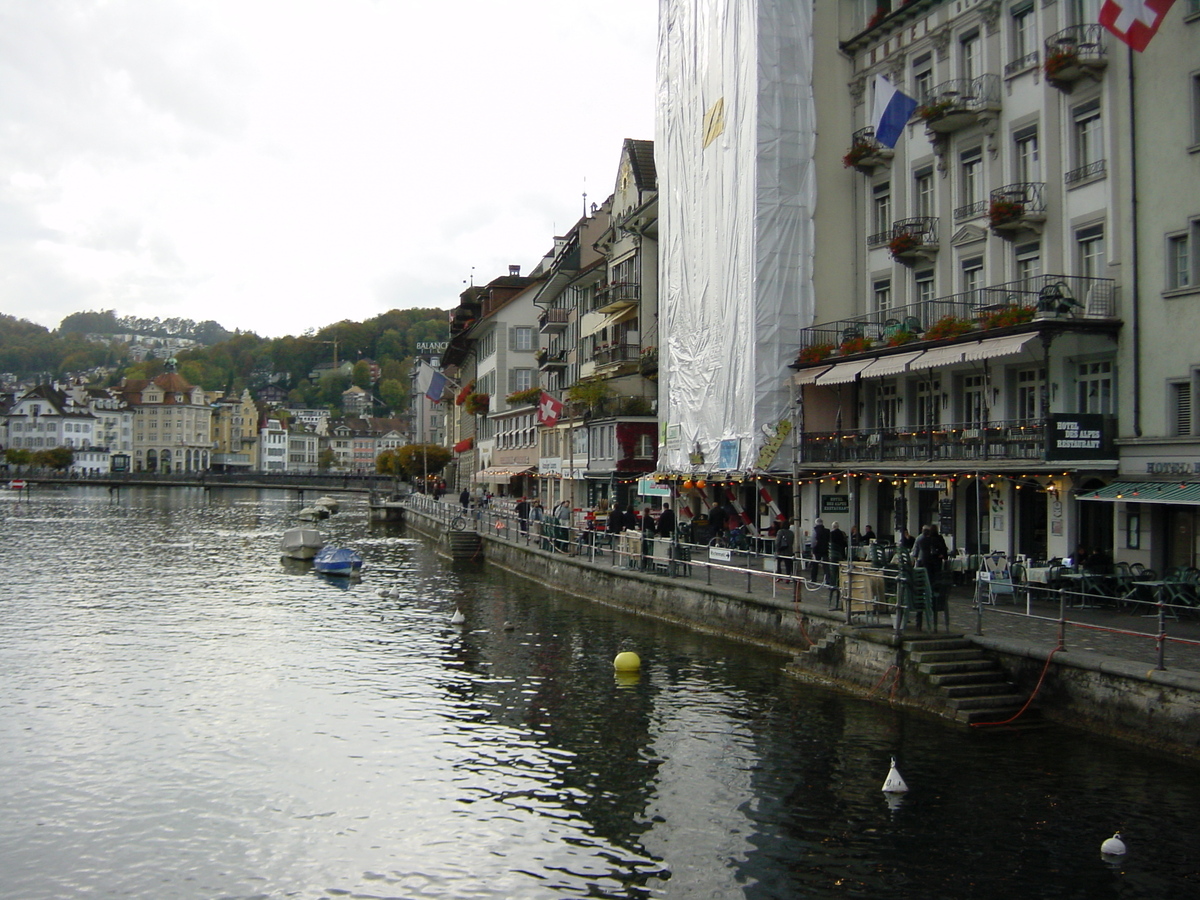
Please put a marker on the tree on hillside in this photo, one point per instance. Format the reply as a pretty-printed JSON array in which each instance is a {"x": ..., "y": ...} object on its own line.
[
  {"x": 102, "y": 322},
  {"x": 394, "y": 394},
  {"x": 362, "y": 375}
]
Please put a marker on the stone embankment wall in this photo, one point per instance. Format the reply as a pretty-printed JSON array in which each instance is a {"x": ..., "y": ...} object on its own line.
[{"x": 1096, "y": 693}]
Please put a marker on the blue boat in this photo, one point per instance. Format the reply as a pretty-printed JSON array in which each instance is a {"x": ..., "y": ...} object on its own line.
[{"x": 337, "y": 561}]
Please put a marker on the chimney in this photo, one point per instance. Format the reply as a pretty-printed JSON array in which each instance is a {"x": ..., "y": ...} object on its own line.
[{"x": 514, "y": 271}]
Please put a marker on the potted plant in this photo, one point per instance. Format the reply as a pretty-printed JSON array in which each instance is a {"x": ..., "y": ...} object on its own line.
[
  {"x": 904, "y": 242},
  {"x": 1059, "y": 60},
  {"x": 1005, "y": 210},
  {"x": 859, "y": 150},
  {"x": 947, "y": 327},
  {"x": 1010, "y": 315},
  {"x": 856, "y": 345},
  {"x": 815, "y": 353},
  {"x": 526, "y": 397},
  {"x": 477, "y": 404},
  {"x": 899, "y": 338},
  {"x": 467, "y": 390},
  {"x": 935, "y": 109}
]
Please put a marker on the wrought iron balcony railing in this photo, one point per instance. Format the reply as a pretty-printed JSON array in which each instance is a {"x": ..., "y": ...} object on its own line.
[
  {"x": 616, "y": 353},
  {"x": 1075, "y": 50},
  {"x": 960, "y": 102},
  {"x": 1017, "y": 206},
  {"x": 553, "y": 320},
  {"x": 1044, "y": 296}
]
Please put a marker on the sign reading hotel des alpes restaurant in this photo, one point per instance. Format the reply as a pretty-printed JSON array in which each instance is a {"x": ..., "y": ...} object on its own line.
[{"x": 1080, "y": 436}]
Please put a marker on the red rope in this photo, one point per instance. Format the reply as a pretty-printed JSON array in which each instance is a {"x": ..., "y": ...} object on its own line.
[
  {"x": 895, "y": 680},
  {"x": 1037, "y": 688}
]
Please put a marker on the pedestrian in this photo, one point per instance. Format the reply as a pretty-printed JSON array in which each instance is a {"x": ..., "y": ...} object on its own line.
[
  {"x": 562, "y": 519},
  {"x": 855, "y": 537},
  {"x": 616, "y": 520},
  {"x": 785, "y": 548},
  {"x": 666, "y": 523},
  {"x": 523, "y": 515},
  {"x": 930, "y": 553},
  {"x": 839, "y": 550},
  {"x": 820, "y": 548},
  {"x": 465, "y": 498},
  {"x": 907, "y": 541},
  {"x": 537, "y": 516},
  {"x": 630, "y": 519},
  {"x": 868, "y": 535}
]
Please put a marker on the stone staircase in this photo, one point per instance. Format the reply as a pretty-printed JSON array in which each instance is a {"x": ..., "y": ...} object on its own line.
[{"x": 975, "y": 687}]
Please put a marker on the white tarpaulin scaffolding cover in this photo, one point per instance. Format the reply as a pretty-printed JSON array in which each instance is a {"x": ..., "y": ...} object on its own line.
[{"x": 733, "y": 147}]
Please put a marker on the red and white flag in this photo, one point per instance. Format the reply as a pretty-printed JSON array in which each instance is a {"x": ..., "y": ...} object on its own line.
[
  {"x": 549, "y": 410},
  {"x": 1134, "y": 21}
]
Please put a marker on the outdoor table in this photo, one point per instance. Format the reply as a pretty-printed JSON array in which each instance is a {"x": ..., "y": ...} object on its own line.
[{"x": 1138, "y": 588}]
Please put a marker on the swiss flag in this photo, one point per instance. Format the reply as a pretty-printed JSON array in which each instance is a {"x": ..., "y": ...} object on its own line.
[
  {"x": 549, "y": 410},
  {"x": 1134, "y": 21}
]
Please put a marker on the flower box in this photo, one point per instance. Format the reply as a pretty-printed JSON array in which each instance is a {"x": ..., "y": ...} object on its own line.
[
  {"x": 856, "y": 345},
  {"x": 903, "y": 243},
  {"x": 947, "y": 327},
  {"x": 815, "y": 353},
  {"x": 1010, "y": 315},
  {"x": 1002, "y": 212}
]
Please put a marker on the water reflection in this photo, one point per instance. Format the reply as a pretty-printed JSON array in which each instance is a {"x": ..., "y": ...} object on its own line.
[{"x": 187, "y": 715}]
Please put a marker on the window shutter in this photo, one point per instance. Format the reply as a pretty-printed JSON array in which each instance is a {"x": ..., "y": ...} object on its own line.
[
  {"x": 512, "y": 339},
  {"x": 1183, "y": 409}
]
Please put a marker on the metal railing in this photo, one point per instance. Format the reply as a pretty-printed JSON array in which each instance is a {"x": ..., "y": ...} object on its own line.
[
  {"x": 1084, "y": 43},
  {"x": 1013, "y": 439},
  {"x": 1021, "y": 200},
  {"x": 1021, "y": 63},
  {"x": 959, "y": 95},
  {"x": 1083, "y": 173},
  {"x": 553, "y": 317},
  {"x": 617, "y": 353},
  {"x": 1092, "y": 298}
]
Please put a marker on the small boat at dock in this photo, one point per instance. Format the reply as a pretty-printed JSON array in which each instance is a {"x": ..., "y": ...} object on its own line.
[{"x": 301, "y": 543}]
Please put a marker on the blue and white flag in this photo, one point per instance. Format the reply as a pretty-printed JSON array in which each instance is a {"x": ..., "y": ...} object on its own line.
[
  {"x": 893, "y": 108},
  {"x": 437, "y": 385}
]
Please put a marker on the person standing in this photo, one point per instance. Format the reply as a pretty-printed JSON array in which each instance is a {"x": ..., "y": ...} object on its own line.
[
  {"x": 785, "y": 548},
  {"x": 666, "y": 523},
  {"x": 868, "y": 535},
  {"x": 523, "y": 516},
  {"x": 465, "y": 498},
  {"x": 820, "y": 548},
  {"x": 839, "y": 551}
]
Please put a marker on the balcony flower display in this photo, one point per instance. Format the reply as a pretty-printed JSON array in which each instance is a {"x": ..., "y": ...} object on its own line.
[
  {"x": 900, "y": 338},
  {"x": 1059, "y": 60},
  {"x": 904, "y": 242},
  {"x": 935, "y": 109},
  {"x": 856, "y": 345},
  {"x": 815, "y": 353},
  {"x": 947, "y": 327},
  {"x": 526, "y": 397},
  {"x": 477, "y": 404},
  {"x": 1001, "y": 212},
  {"x": 1010, "y": 315},
  {"x": 467, "y": 390},
  {"x": 858, "y": 151}
]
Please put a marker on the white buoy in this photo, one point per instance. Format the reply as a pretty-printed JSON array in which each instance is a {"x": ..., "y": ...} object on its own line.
[
  {"x": 894, "y": 784},
  {"x": 458, "y": 618},
  {"x": 1114, "y": 846}
]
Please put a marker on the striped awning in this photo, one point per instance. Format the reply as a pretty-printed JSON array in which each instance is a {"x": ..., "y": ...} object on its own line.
[
  {"x": 843, "y": 373},
  {"x": 809, "y": 376},
  {"x": 891, "y": 365},
  {"x": 994, "y": 347},
  {"x": 1184, "y": 493},
  {"x": 939, "y": 356}
]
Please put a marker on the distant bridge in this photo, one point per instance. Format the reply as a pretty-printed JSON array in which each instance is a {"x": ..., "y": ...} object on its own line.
[{"x": 330, "y": 481}]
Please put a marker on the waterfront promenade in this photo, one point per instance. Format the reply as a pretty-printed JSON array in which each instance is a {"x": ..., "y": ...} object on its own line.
[{"x": 1099, "y": 631}]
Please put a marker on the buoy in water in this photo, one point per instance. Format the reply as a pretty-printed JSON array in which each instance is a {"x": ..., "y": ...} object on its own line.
[
  {"x": 1114, "y": 846},
  {"x": 627, "y": 661},
  {"x": 894, "y": 784},
  {"x": 458, "y": 618}
]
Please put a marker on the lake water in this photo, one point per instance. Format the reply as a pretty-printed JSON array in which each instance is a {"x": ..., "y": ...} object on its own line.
[{"x": 184, "y": 716}]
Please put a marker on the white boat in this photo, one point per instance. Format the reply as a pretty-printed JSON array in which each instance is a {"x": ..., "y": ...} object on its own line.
[
  {"x": 328, "y": 502},
  {"x": 301, "y": 543},
  {"x": 313, "y": 513}
]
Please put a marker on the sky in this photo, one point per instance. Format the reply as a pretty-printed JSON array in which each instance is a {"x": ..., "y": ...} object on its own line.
[{"x": 279, "y": 165}]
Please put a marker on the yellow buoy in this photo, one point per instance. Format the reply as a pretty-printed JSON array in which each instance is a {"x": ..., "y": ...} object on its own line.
[{"x": 627, "y": 661}]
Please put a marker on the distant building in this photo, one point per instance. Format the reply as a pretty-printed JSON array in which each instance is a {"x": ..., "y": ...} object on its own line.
[{"x": 172, "y": 423}]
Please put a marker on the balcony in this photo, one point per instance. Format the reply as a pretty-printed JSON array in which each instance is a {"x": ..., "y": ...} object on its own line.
[
  {"x": 866, "y": 154},
  {"x": 551, "y": 359},
  {"x": 1074, "y": 53},
  {"x": 618, "y": 296},
  {"x": 959, "y": 103},
  {"x": 553, "y": 321},
  {"x": 1017, "y": 208},
  {"x": 914, "y": 239},
  {"x": 1061, "y": 299},
  {"x": 615, "y": 354}
]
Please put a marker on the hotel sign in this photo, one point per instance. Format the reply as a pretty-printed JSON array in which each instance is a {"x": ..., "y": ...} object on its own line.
[{"x": 1079, "y": 437}]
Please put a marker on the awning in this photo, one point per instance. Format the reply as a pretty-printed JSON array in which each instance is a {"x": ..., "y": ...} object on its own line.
[
  {"x": 464, "y": 445},
  {"x": 891, "y": 365},
  {"x": 809, "y": 376},
  {"x": 939, "y": 356},
  {"x": 1186, "y": 493},
  {"x": 842, "y": 373},
  {"x": 603, "y": 322},
  {"x": 500, "y": 474},
  {"x": 993, "y": 347}
]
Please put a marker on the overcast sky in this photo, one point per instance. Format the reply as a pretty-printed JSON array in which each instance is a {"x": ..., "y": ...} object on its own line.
[{"x": 278, "y": 165}]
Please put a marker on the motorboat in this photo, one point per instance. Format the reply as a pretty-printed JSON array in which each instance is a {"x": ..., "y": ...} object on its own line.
[
  {"x": 332, "y": 560},
  {"x": 328, "y": 503},
  {"x": 313, "y": 513},
  {"x": 301, "y": 543}
]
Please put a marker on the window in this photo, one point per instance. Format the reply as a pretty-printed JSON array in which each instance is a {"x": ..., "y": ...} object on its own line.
[
  {"x": 522, "y": 338},
  {"x": 1029, "y": 394},
  {"x": 1083, "y": 12},
  {"x": 520, "y": 380},
  {"x": 883, "y": 294},
  {"x": 923, "y": 285},
  {"x": 1094, "y": 388},
  {"x": 888, "y": 406},
  {"x": 645, "y": 446},
  {"x": 971, "y": 183},
  {"x": 1179, "y": 261},
  {"x": 1089, "y": 244},
  {"x": 929, "y": 403},
  {"x": 882, "y": 209},
  {"x": 1088, "y": 143},
  {"x": 1024, "y": 38},
  {"x": 923, "y": 193},
  {"x": 1181, "y": 408},
  {"x": 974, "y": 402},
  {"x": 1027, "y": 164},
  {"x": 922, "y": 77},
  {"x": 1196, "y": 108},
  {"x": 1028, "y": 262},
  {"x": 968, "y": 56},
  {"x": 971, "y": 276}
]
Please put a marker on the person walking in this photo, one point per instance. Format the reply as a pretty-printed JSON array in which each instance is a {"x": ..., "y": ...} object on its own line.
[
  {"x": 785, "y": 548},
  {"x": 465, "y": 498}
]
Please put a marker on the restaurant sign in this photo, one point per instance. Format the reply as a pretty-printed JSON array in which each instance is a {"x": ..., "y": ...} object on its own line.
[
  {"x": 935, "y": 484},
  {"x": 835, "y": 503},
  {"x": 1078, "y": 437}
]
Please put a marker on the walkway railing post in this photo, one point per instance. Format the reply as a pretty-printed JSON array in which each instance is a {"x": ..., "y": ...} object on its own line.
[
  {"x": 1162, "y": 630},
  {"x": 1062, "y": 618}
]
